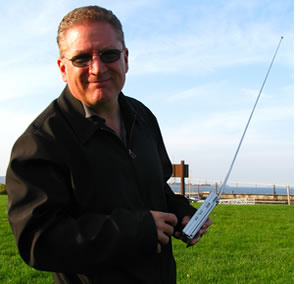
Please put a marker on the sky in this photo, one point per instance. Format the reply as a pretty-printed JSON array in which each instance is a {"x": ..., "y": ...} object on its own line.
[{"x": 198, "y": 65}]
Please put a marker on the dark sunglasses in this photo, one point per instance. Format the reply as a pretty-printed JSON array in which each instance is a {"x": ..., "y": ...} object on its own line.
[{"x": 85, "y": 59}]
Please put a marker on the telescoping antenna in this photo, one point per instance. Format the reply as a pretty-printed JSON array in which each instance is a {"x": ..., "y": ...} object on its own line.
[
  {"x": 201, "y": 215},
  {"x": 256, "y": 102}
]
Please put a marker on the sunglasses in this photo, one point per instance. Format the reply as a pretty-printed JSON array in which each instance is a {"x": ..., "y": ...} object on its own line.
[{"x": 85, "y": 59}]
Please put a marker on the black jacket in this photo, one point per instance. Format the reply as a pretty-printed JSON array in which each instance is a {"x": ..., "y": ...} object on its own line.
[{"x": 80, "y": 199}]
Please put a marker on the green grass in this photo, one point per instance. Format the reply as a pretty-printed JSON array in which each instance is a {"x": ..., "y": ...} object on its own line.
[
  {"x": 12, "y": 268},
  {"x": 245, "y": 244}
]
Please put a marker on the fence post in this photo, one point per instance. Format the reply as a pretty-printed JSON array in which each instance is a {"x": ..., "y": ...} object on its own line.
[
  {"x": 288, "y": 194},
  {"x": 274, "y": 192},
  {"x": 182, "y": 185},
  {"x": 189, "y": 187}
]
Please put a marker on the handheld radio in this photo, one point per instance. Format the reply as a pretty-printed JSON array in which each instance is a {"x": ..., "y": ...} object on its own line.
[{"x": 201, "y": 215}]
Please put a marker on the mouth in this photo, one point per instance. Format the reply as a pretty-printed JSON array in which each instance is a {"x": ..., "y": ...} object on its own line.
[{"x": 99, "y": 83}]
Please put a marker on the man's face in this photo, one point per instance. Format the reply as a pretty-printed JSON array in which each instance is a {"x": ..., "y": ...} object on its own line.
[{"x": 99, "y": 83}]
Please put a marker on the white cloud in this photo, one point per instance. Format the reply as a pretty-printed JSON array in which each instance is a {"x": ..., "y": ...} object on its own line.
[{"x": 212, "y": 41}]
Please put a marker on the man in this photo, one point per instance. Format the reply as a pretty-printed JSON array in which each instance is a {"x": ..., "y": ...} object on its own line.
[{"x": 88, "y": 198}]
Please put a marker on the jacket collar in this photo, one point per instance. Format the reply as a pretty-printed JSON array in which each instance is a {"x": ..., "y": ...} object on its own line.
[{"x": 84, "y": 128}]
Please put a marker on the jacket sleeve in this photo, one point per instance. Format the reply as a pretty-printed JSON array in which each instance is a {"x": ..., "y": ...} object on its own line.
[{"x": 50, "y": 232}]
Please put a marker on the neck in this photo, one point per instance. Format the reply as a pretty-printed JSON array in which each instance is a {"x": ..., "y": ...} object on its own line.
[
  {"x": 108, "y": 111},
  {"x": 111, "y": 113}
]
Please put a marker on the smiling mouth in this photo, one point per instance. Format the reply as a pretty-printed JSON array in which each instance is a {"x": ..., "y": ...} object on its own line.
[{"x": 102, "y": 82}]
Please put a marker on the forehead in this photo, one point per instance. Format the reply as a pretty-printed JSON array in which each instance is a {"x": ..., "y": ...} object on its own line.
[{"x": 90, "y": 36}]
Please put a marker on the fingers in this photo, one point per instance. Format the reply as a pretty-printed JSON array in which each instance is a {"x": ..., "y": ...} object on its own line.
[
  {"x": 205, "y": 227},
  {"x": 185, "y": 220},
  {"x": 158, "y": 248},
  {"x": 207, "y": 223},
  {"x": 201, "y": 232},
  {"x": 165, "y": 223},
  {"x": 170, "y": 218}
]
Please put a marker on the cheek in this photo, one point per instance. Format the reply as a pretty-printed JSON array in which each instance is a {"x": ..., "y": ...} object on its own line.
[{"x": 78, "y": 79}]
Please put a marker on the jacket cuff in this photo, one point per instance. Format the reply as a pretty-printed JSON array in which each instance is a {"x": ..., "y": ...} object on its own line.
[{"x": 148, "y": 234}]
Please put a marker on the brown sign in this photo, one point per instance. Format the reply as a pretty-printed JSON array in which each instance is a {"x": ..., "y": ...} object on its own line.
[{"x": 180, "y": 170}]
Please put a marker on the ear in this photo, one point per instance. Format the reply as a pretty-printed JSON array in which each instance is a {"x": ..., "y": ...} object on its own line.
[
  {"x": 126, "y": 56},
  {"x": 62, "y": 68}
]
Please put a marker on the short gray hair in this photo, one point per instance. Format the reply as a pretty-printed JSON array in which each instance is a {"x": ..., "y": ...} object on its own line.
[{"x": 84, "y": 15}]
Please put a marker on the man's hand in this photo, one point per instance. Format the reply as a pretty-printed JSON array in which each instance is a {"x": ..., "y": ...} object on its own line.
[
  {"x": 165, "y": 223},
  {"x": 203, "y": 230}
]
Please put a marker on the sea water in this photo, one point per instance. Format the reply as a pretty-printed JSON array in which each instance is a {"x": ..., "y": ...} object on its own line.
[{"x": 278, "y": 190}]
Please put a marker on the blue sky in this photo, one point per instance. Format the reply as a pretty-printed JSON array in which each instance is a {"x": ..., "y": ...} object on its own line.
[{"x": 198, "y": 65}]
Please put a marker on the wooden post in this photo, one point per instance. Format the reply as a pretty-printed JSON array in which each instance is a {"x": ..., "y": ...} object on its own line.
[
  {"x": 189, "y": 187},
  {"x": 198, "y": 190},
  {"x": 182, "y": 185},
  {"x": 182, "y": 171},
  {"x": 216, "y": 188},
  {"x": 288, "y": 194},
  {"x": 274, "y": 192}
]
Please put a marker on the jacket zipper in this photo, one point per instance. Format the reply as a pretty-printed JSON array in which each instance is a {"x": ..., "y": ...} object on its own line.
[
  {"x": 131, "y": 153},
  {"x": 128, "y": 146}
]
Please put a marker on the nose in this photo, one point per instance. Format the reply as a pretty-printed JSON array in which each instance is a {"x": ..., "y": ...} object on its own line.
[{"x": 97, "y": 66}]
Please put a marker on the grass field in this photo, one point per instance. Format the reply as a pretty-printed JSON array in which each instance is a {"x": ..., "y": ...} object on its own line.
[{"x": 245, "y": 244}]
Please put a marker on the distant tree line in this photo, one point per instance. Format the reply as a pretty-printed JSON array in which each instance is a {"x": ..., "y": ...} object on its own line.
[{"x": 2, "y": 189}]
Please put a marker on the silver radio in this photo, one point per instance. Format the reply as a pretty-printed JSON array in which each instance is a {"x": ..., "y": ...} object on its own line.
[{"x": 201, "y": 215}]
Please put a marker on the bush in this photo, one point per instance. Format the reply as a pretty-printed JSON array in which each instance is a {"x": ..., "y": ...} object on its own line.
[{"x": 2, "y": 189}]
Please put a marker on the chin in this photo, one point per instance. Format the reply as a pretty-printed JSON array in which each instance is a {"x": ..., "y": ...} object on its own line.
[{"x": 101, "y": 96}]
